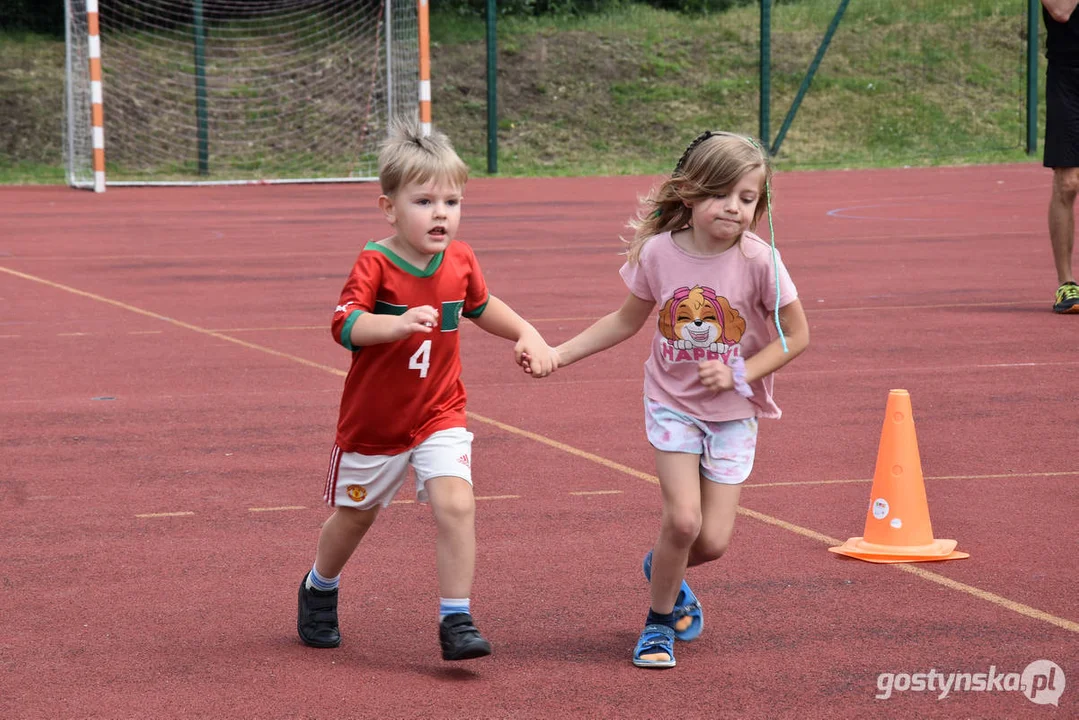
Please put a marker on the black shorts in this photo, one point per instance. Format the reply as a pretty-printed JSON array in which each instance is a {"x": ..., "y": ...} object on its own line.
[{"x": 1061, "y": 117}]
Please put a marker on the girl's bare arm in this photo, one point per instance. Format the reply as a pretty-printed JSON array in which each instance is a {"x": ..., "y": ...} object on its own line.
[
  {"x": 792, "y": 319},
  {"x": 606, "y": 332}
]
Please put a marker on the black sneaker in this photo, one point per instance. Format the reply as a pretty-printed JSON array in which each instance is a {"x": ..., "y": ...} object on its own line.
[
  {"x": 460, "y": 639},
  {"x": 1067, "y": 298},
  {"x": 316, "y": 619}
]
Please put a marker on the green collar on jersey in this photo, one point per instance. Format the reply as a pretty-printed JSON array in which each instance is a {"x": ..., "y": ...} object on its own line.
[{"x": 405, "y": 265}]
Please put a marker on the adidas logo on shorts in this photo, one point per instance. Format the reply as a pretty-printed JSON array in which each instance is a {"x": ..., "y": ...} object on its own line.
[{"x": 465, "y": 461}]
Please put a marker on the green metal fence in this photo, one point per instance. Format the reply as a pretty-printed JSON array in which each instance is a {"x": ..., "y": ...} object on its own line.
[
  {"x": 913, "y": 78},
  {"x": 884, "y": 53}
]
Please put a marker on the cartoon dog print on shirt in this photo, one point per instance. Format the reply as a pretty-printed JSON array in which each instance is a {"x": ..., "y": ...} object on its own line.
[{"x": 700, "y": 323}]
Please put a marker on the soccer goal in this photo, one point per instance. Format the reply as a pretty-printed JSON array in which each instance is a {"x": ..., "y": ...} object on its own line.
[{"x": 188, "y": 92}]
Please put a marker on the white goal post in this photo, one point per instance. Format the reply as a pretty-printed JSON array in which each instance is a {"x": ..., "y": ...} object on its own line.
[{"x": 198, "y": 92}]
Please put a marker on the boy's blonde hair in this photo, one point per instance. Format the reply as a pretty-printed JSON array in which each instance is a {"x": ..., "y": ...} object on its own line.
[
  {"x": 712, "y": 163},
  {"x": 408, "y": 156}
]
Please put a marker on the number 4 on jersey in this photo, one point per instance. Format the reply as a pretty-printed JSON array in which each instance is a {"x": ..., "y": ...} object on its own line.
[{"x": 421, "y": 359}]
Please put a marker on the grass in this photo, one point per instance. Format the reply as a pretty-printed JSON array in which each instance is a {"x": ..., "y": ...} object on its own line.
[
  {"x": 895, "y": 88},
  {"x": 919, "y": 82},
  {"x": 30, "y": 173}
]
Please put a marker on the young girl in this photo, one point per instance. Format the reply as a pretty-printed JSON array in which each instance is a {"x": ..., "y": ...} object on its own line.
[{"x": 718, "y": 288}]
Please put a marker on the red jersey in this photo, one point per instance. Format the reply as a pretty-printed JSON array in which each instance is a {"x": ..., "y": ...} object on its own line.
[{"x": 397, "y": 394}]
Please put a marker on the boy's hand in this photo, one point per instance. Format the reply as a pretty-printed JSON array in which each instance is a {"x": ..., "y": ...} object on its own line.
[
  {"x": 535, "y": 356},
  {"x": 421, "y": 318},
  {"x": 715, "y": 375}
]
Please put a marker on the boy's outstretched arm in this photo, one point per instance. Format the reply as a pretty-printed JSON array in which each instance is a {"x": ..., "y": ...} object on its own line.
[
  {"x": 531, "y": 350},
  {"x": 606, "y": 332}
]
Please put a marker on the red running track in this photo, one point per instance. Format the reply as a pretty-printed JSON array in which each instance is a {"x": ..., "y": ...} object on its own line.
[{"x": 170, "y": 391}]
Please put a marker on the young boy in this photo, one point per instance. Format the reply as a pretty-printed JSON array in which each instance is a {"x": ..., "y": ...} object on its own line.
[{"x": 403, "y": 402}]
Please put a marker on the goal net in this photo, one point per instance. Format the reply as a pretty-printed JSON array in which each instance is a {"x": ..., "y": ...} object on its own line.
[{"x": 218, "y": 91}]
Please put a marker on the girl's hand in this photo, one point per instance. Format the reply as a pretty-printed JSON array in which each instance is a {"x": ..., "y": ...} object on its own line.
[
  {"x": 715, "y": 375},
  {"x": 537, "y": 364},
  {"x": 421, "y": 318}
]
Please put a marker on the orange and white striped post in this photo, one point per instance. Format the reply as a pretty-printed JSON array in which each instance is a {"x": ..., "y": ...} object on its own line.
[
  {"x": 425, "y": 68},
  {"x": 97, "y": 112}
]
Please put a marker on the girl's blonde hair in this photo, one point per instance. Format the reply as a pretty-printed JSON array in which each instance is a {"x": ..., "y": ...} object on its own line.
[
  {"x": 409, "y": 156},
  {"x": 712, "y": 163}
]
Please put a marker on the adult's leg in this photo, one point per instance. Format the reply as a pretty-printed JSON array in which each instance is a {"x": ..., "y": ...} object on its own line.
[{"x": 1062, "y": 220}]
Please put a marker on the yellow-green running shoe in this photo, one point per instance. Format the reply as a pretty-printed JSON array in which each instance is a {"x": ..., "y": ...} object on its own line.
[{"x": 1067, "y": 298}]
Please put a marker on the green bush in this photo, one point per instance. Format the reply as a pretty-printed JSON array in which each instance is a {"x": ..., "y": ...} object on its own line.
[
  {"x": 539, "y": 8},
  {"x": 698, "y": 6},
  {"x": 47, "y": 16},
  {"x": 39, "y": 16}
]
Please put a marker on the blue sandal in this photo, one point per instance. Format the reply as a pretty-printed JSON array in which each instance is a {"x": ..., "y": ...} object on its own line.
[
  {"x": 686, "y": 606},
  {"x": 655, "y": 649}
]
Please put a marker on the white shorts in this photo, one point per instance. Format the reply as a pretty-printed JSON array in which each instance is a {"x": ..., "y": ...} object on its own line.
[
  {"x": 726, "y": 448},
  {"x": 363, "y": 481}
]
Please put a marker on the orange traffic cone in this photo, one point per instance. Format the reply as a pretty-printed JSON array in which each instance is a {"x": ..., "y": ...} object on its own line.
[{"x": 897, "y": 527}]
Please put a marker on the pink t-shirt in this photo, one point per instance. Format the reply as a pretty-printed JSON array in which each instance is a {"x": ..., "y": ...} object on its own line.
[{"x": 709, "y": 307}]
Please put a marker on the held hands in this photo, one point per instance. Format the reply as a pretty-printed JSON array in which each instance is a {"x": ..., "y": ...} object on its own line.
[
  {"x": 421, "y": 318},
  {"x": 535, "y": 356}
]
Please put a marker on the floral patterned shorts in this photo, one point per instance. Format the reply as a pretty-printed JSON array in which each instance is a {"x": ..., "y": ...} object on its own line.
[{"x": 726, "y": 448}]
